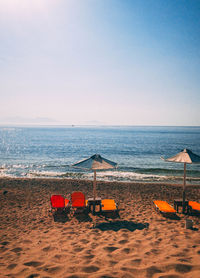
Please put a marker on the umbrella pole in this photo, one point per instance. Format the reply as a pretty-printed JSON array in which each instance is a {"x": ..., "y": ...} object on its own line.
[
  {"x": 94, "y": 185},
  {"x": 184, "y": 183}
]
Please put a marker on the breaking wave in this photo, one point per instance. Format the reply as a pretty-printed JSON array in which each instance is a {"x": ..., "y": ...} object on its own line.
[{"x": 122, "y": 175}]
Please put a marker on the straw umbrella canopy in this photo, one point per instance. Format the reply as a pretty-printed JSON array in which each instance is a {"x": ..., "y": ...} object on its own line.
[
  {"x": 94, "y": 163},
  {"x": 185, "y": 156}
]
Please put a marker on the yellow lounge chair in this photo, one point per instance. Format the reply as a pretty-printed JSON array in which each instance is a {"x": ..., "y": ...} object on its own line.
[
  {"x": 164, "y": 207},
  {"x": 108, "y": 205},
  {"x": 194, "y": 206}
]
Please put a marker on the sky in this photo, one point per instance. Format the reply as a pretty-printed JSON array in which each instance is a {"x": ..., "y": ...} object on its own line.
[{"x": 100, "y": 62}]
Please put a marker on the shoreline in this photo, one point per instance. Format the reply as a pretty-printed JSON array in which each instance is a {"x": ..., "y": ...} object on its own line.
[{"x": 100, "y": 181}]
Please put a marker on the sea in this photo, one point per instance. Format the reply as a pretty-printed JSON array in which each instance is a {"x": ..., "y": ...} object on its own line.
[{"x": 50, "y": 151}]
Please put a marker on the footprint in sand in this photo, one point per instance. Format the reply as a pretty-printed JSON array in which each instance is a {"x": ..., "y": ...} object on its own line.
[
  {"x": 59, "y": 256},
  {"x": 175, "y": 245},
  {"x": 126, "y": 250},
  {"x": 52, "y": 270},
  {"x": 170, "y": 276},
  {"x": 108, "y": 276},
  {"x": 88, "y": 257},
  {"x": 150, "y": 271},
  {"x": 33, "y": 263},
  {"x": 125, "y": 233},
  {"x": 126, "y": 270},
  {"x": 11, "y": 266},
  {"x": 112, "y": 263},
  {"x": 66, "y": 228},
  {"x": 197, "y": 241},
  {"x": 179, "y": 254},
  {"x": 95, "y": 231},
  {"x": 155, "y": 251},
  {"x": 123, "y": 241},
  {"x": 78, "y": 249},
  {"x": 136, "y": 262},
  {"x": 85, "y": 241},
  {"x": 94, "y": 245},
  {"x": 90, "y": 269},
  {"x": 48, "y": 248},
  {"x": 17, "y": 250},
  {"x": 110, "y": 249},
  {"x": 4, "y": 243},
  {"x": 184, "y": 260},
  {"x": 27, "y": 241},
  {"x": 72, "y": 276},
  {"x": 3, "y": 249},
  {"x": 183, "y": 268},
  {"x": 72, "y": 233},
  {"x": 73, "y": 243}
]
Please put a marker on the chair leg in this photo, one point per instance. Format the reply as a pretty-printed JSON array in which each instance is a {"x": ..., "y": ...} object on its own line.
[{"x": 72, "y": 210}]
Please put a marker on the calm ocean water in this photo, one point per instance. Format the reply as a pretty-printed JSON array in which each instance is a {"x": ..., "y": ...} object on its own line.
[{"x": 49, "y": 152}]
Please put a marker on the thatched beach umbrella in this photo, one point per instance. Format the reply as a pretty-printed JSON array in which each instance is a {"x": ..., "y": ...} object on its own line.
[
  {"x": 185, "y": 156},
  {"x": 94, "y": 163}
]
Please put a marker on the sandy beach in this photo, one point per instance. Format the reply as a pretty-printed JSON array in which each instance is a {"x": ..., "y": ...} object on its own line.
[{"x": 138, "y": 242}]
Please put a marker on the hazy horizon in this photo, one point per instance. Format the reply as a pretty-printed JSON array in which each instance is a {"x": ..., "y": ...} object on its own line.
[
  {"x": 38, "y": 125},
  {"x": 112, "y": 63}
]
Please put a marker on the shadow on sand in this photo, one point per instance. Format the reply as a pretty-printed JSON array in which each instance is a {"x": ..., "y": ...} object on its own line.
[
  {"x": 65, "y": 216},
  {"x": 118, "y": 225},
  {"x": 194, "y": 213},
  {"x": 61, "y": 216},
  {"x": 171, "y": 216},
  {"x": 82, "y": 216},
  {"x": 109, "y": 215}
]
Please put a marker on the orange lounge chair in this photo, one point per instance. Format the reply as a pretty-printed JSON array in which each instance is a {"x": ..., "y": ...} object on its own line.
[
  {"x": 164, "y": 207},
  {"x": 78, "y": 200},
  {"x": 108, "y": 205},
  {"x": 58, "y": 202},
  {"x": 194, "y": 206}
]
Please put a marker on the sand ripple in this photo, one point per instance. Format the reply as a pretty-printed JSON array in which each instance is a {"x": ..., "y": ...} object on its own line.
[{"x": 137, "y": 242}]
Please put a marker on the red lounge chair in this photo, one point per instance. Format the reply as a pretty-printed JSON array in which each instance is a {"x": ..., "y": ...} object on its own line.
[
  {"x": 78, "y": 200},
  {"x": 58, "y": 202}
]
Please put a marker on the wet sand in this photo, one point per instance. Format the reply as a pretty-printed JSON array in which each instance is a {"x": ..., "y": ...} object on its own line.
[{"x": 136, "y": 242}]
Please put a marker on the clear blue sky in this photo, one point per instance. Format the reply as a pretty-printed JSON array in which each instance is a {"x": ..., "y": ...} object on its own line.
[{"x": 100, "y": 62}]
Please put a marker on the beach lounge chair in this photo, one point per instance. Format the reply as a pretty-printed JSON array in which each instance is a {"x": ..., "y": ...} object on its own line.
[
  {"x": 108, "y": 205},
  {"x": 164, "y": 207},
  {"x": 194, "y": 206},
  {"x": 78, "y": 200},
  {"x": 58, "y": 202}
]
